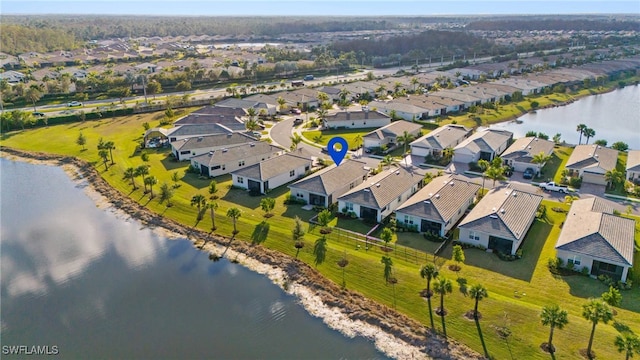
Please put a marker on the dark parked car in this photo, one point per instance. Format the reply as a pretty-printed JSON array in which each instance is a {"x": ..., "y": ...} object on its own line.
[
  {"x": 297, "y": 121},
  {"x": 324, "y": 150},
  {"x": 38, "y": 114},
  {"x": 528, "y": 173}
]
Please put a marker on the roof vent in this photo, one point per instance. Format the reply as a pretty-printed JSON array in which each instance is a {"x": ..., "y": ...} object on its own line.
[
  {"x": 210, "y": 152},
  {"x": 252, "y": 144},
  {"x": 427, "y": 202},
  {"x": 437, "y": 196},
  {"x": 515, "y": 194},
  {"x": 397, "y": 172},
  {"x": 451, "y": 183},
  {"x": 430, "y": 194},
  {"x": 225, "y": 150},
  {"x": 493, "y": 209},
  {"x": 493, "y": 216},
  {"x": 378, "y": 185},
  {"x": 367, "y": 190},
  {"x": 502, "y": 211}
]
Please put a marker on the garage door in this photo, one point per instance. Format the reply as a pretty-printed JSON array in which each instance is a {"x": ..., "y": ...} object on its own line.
[
  {"x": 597, "y": 179},
  {"x": 463, "y": 158},
  {"x": 419, "y": 151}
]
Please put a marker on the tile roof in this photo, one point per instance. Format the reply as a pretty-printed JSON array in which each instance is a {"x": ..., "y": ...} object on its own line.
[
  {"x": 442, "y": 137},
  {"x": 236, "y": 152},
  {"x": 591, "y": 229},
  {"x": 356, "y": 115},
  {"x": 275, "y": 166},
  {"x": 441, "y": 199},
  {"x": 380, "y": 190},
  {"x": 332, "y": 178},
  {"x": 633, "y": 160},
  {"x": 503, "y": 212},
  {"x": 488, "y": 140},
  {"x": 197, "y": 129},
  {"x": 592, "y": 156},
  {"x": 394, "y": 129},
  {"x": 218, "y": 140},
  {"x": 524, "y": 149}
]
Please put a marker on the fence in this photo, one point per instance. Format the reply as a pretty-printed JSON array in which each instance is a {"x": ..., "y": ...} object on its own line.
[{"x": 368, "y": 243}]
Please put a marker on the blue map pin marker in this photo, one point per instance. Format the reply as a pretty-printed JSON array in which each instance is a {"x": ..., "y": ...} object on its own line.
[{"x": 337, "y": 155}]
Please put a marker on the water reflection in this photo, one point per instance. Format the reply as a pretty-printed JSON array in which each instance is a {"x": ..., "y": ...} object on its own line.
[{"x": 99, "y": 286}]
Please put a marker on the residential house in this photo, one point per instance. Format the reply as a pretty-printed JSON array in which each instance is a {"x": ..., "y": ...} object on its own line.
[
  {"x": 271, "y": 173},
  {"x": 404, "y": 111},
  {"x": 438, "y": 206},
  {"x": 595, "y": 239},
  {"x": 381, "y": 194},
  {"x": 189, "y": 131},
  {"x": 500, "y": 220},
  {"x": 591, "y": 162},
  {"x": 520, "y": 154},
  {"x": 633, "y": 166},
  {"x": 194, "y": 146},
  {"x": 323, "y": 187},
  {"x": 355, "y": 120},
  {"x": 388, "y": 134},
  {"x": 485, "y": 144},
  {"x": 225, "y": 160},
  {"x": 13, "y": 77},
  {"x": 444, "y": 137}
]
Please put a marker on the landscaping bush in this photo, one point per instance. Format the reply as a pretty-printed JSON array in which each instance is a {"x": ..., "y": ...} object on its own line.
[
  {"x": 505, "y": 257},
  {"x": 292, "y": 200},
  {"x": 575, "y": 182},
  {"x": 435, "y": 237}
]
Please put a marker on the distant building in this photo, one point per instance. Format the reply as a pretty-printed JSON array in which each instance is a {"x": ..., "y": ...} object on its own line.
[
  {"x": 271, "y": 173},
  {"x": 225, "y": 160}
]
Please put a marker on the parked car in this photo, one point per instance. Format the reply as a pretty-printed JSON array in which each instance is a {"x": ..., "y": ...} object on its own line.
[
  {"x": 552, "y": 186},
  {"x": 74, "y": 103},
  {"x": 324, "y": 150},
  {"x": 297, "y": 121},
  {"x": 38, "y": 114},
  {"x": 296, "y": 111},
  {"x": 308, "y": 77},
  {"x": 528, "y": 173}
]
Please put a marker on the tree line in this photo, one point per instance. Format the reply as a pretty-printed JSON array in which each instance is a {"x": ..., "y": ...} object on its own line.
[
  {"x": 18, "y": 39},
  {"x": 553, "y": 24}
]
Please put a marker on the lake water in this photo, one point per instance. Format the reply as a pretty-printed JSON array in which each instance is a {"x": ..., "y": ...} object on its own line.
[
  {"x": 95, "y": 284},
  {"x": 614, "y": 116}
]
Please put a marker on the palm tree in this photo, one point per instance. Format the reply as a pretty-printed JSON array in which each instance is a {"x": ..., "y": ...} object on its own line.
[
  {"x": 388, "y": 267},
  {"x": 554, "y": 317},
  {"x": 104, "y": 155},
  {"x": 251, "y": 112},
  {"x": 33, "y": 94},
  {"x": 130, "y": 173},
  {"x": 589, "y": 133},
  {"x": 151, "y": 180},
  {"x": 382, "y": 90},
  {"x": 166, "y": 193},
  {"x": 297, "y": 233},
  {"x": 414, "y": 82},
  {"x": 357, "y": 141},
  {"x": 109, "y": 145},
  {"x": 404, "y": 139},
  {"x": 234, "y": 213},
  {"x": 198, "y": 200},
  {"x": 483, "y": 165},
  {"x": 213, "y": 189},
  {"x": 614, "y": 178},
  {"x": 267, "y": 205},
  {"x": 596, "y": 311},
  {"x": 143, "y": 170},
  {"x": 429, "y": 272},
  {"x": 580, "y": 128},
  {"x": 629, "y": 344},
  {"x": 282, "y": 104},
  {"x": 477, "y": 292},
  {"x": 387, "y": 161},
  {"x": 442, "y": 286},
  {"x": 540, "y": 158},
  {"x": 495, "y": 173},
  {"x": 212, "y": 206},
  {"x": 295, "y": 140},
  {"x": 343, "y": 94}
]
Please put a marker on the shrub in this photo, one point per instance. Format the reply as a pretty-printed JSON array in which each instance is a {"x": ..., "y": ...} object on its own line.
[
  {"x": 575, "y": 182},
  {"x": 585, "y": 271},
  {"x": 291, "y": 200},
  {"x": 436, "y": 238}
]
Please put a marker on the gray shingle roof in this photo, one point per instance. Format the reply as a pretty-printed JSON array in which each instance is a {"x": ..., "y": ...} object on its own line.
[
  {"x": 236, "y": 152},
  {"x": 503, "y": 212},
  {"x": 270, "y": 168},
  {"x": 441, "y": 199},
  {"x": 488, "y": 140},
  {"x": 380, "y": 190},
  {"x": 394, "y": 129},
  {"x": 199, "y": 129},
  {"x": 592, "y": 230},
  {"x": 442, "y": 137},
  {"x": 332, "y": 178},
  {"x": 218, "y": 140},
  {"x": 524, "y": 149},
  {"x": 592, "y": 156},
  {"x": 356, "y": 115},
  {"x": 633, "y": 160}
]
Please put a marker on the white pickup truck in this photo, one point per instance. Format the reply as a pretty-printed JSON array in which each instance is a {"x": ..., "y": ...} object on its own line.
[{"x": 552, "y": 186}]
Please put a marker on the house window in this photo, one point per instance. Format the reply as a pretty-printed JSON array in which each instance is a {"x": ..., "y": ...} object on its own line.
[
  {"x": 185, "y": 152},
  {"x": 240, "y": 180},
  {"x": 408, "y": 220},
  {"x": 474, "y": 236},
  {"x": 215, "y": 167},
  {"x": 575, "y": 261},
  {"x": 349, "y": 206},
  {"x": 224, "y": 167},
  {"x": 400, "y": 198},
  {"x": 352, "y": 185},
  {"x": 306, "y": 168},
  {"x": 292, "y": 173},
  {"x": 241, "y": 163}
]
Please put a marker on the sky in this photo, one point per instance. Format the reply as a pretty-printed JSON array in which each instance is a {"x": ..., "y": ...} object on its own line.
[{"x": 326, "y": 7}]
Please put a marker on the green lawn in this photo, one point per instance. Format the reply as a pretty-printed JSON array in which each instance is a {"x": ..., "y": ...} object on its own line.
[
  {"x": 553, "y": 168},
  {"x": 322, "y": 137},
  {"x": 517, "y": 290}
]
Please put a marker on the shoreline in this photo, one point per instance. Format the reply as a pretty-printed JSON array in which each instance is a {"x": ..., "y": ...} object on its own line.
[{"x": 344, "y": 310}]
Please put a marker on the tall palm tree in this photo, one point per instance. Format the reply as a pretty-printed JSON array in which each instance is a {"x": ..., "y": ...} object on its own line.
[
  {"x": 357, "y": 141},
  {"x": 442, "y": 286},
  {"x": 251, "y": 112},
  {"x": 629, "y": 344},
  {"x": 33, "y": 94},
  {"x": 477, "y": 292},
  {"x": 589, "y": 133},
  {"x": 404, "y": 139},
  {"x": 130, "y": 173},
  {"x": 234, "y": 213},
  {"x": 580, "y": 129},
  {"x": 198, "y": 200},
  {"x": 388, "y": 268},
  {"x": 151, "y": 180},
  {"x": 343, "y": 94},
  {"x": 554, "y": 317},
  {"x": 596, "y": 311},
  {"x": 381, "y": 90},
  {"x": 540, "y": 158},
  {"x": 282, "y": 104},
  {"x": 387, "y": 160},
  {"x": 483, "y": 165},
  {"x": 296, "y": 139},
  {"x": 109, "y": 145},
  {"x": 212, "y": 206},
  {"x": 429, "y": 272},
  {"x": 414, "y": 82},
  {"x": 614, "y": 178},
  {"x": 143, "y": 171},
  {"x": 104, "y": 155},
  {"x": 495, "y": 173}
]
